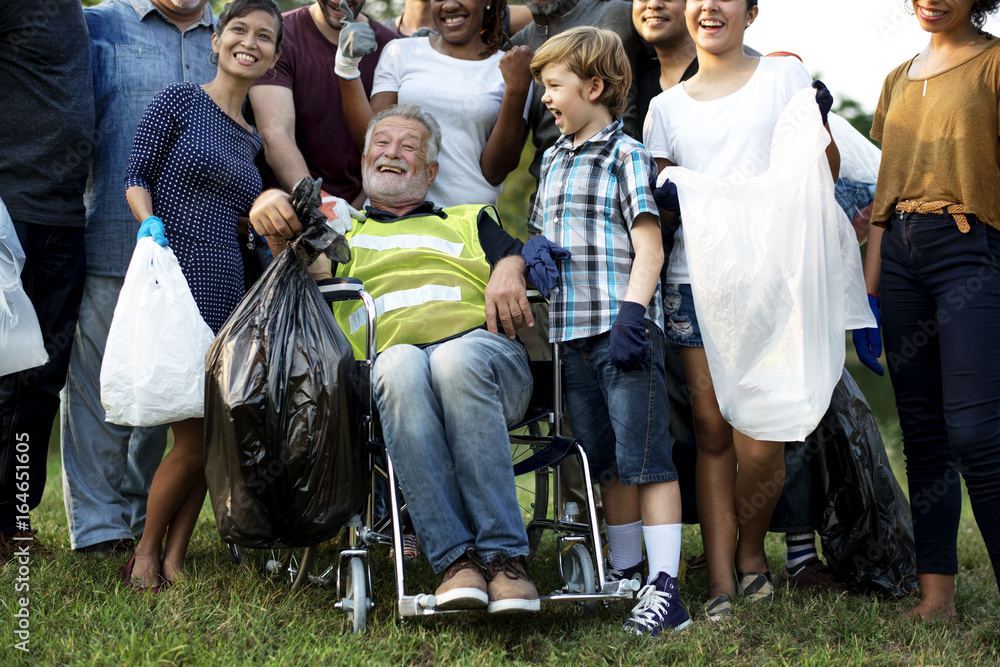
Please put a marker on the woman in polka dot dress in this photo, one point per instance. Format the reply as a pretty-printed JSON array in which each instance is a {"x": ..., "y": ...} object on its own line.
[{"x": 190, "y": 177}]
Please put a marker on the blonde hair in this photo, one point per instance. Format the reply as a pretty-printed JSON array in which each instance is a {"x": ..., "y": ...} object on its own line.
[{"x": 588, "y": 52}]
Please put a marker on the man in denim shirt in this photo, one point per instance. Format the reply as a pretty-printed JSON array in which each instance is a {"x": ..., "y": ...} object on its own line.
[{"x": 137, "y": 48}]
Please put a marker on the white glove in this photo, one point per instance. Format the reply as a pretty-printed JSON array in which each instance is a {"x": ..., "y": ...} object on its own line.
[{"x": 343, "y": 213}]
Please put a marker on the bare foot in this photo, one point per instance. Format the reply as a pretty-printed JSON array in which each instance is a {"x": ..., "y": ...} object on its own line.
[
  {"x": 172, "y": 573},
  {"x": 925, "y": 611},
  {"x": 145, "y": 572}
]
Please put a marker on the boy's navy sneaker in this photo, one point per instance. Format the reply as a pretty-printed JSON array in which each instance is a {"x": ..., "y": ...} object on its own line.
[{"x": 659, "y": 608}]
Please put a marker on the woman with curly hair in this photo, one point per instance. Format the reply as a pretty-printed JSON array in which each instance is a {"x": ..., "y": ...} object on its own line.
[
  {"x": 476, "y": 92},
  {"x": 936, "y": 257}
]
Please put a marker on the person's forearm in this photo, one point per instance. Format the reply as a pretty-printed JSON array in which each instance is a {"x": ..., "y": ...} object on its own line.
[
  {"x": 873, "y": 261},
  {"x": 285, "y": 160},
  {"x": 357, "y": 110},
  {"x": 648, "y": 260},
  {"x": 833, "y": 156},
  {"x": 140, "y": 201},
  {"x": 503, "y": 148}
]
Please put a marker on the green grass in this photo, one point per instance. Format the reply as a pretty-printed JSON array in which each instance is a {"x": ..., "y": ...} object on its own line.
[{"x": 225, "y": 614}]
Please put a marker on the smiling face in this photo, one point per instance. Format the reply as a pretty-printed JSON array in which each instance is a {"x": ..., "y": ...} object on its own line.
[
  {"x": 572, "y": 100},
  {"x": 458, "y": 21},
  {"x": 660, "y": 22},
  {"x": 331, "y": 10},
  {"x": 395, "y": 170},
  {"x": 938, "y": 16},
  {"x": 717, "y": 26},
  {"x": 246, "y": 48}
]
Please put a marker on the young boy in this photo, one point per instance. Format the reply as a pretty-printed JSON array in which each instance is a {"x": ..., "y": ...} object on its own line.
[{"x": 594, "y": 201}]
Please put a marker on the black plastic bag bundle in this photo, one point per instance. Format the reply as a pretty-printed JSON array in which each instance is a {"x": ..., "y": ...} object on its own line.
[
  {"x": 865, "y": 528},
  {"x": 283, "y": 454}
]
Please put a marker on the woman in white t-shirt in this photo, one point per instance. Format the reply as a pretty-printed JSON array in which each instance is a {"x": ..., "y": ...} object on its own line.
[
  {"x": 477, "y": 94},
  {"x": 719, "y": 123}
]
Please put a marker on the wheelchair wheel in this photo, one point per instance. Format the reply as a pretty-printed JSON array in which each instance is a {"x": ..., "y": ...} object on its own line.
[
  {"x": 578, "y": 573},
  {"x": 356, "y": 602}
]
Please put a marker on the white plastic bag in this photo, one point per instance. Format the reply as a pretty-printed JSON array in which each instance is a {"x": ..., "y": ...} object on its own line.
[
  {"x": 776, "y": 277},
  {"x": 859, "y": 158},
  {"x": 154, "y": 362},
  {"x": 21, "y": 343}
]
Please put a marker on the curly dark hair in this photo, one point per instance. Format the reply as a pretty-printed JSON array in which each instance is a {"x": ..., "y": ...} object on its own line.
[
  {"x": 240, "y": 8},
  {"x": 492, "y": 32},
  {"x": 981, "y": 10}
]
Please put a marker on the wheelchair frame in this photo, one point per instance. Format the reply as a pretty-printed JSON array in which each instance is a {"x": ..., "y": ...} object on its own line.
[{"x": 582, "y": 571}]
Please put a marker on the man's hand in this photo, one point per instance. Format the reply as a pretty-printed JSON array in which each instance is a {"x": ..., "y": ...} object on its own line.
[
  {"x": 273, "y": 217},
  {"x": 507, "y": 298},
  {"x": 357, "y": 39}
]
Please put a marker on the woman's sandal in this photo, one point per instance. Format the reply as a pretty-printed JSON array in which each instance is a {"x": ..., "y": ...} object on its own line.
[{"x": 134, "y": 586}]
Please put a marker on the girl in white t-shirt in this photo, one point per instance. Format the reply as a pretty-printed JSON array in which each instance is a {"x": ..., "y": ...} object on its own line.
[
  {"x": 721, "y": 122},
  {"x": 477, "y": 94}
]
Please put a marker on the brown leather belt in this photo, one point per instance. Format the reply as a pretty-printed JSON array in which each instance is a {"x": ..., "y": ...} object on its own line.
[{"x": 957, "y": 211}]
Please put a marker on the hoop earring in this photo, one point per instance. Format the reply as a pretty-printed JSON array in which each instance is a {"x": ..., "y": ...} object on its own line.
[
  {"x": 213, "y": 58},
  {"x": 908, "y": 6},
  {"x": 273, "y": 73}
]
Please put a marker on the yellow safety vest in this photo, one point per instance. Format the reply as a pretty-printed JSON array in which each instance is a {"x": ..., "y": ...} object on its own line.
[{"x": 427, "y": 275}]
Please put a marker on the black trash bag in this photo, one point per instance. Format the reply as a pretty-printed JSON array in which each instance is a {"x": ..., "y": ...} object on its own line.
[
  {"x": 865, "y": 528},
  {"x": 284, "y": 449}
]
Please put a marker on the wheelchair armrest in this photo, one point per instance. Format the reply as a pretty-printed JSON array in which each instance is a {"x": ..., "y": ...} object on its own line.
[
  {"x": 341, "y": 289},
  {"x": 552, "y": 455}
]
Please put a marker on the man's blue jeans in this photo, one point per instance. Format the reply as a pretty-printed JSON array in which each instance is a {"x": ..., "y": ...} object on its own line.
[
  {"x": 107, "y": 468},
  {"x": 941, "y": 320},
  {"x": 54, "y": 269},
  {"x": 444, "y": 411}
]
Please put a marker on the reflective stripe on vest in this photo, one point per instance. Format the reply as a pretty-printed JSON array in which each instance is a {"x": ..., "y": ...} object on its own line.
[{"x": 427, "y": 274}]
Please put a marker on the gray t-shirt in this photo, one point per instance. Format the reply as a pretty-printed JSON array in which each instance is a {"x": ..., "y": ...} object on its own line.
[
  {"x": 614, "y": 15},
  {"x": 47, "y": 98}
]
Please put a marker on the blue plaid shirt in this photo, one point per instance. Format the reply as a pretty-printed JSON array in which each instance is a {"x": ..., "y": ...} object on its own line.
[{"x": 588, "y": 198}]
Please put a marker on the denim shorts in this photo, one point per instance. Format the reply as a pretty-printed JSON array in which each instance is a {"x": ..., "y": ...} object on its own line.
[
  {"x": 622, "y": 417},
  {"x": 679, "y": 315}
]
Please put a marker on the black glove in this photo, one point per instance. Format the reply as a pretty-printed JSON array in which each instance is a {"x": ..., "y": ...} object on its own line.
[
  {"x": 824, "y": 99},
  {"x": 665, "y": 195},
  {"x": 539, "y": 255},
  {"x": 628, "y": 343}
]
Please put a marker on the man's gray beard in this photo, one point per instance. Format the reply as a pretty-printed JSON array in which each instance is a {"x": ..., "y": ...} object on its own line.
[
  {"x": 554, "y": 7},
  {"x": 416, "y": 188}
]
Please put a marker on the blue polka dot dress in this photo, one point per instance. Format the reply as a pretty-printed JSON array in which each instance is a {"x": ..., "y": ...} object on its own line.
[{"x": 197, "y": 163}]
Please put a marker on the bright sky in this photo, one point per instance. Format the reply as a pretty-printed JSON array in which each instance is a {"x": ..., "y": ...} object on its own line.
[{"x": 852, "y": 44}]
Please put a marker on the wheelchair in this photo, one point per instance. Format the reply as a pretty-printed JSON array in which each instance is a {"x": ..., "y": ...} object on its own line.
[{"x": 579, "y": 559}]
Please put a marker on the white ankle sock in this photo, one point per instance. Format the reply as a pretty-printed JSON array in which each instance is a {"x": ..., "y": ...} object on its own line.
[
  {"x": 799, "y": 547},
  {"x": 663, "y": 548},
  {"x": 625, "y": 542}
]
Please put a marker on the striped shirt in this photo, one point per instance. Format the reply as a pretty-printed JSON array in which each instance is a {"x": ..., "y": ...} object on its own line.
[{"x": 588, "y": 198}]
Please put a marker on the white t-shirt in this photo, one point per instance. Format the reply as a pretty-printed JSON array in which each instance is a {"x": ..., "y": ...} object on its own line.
[
  {"x": 464, "y": 96},
  {"x": 721, "y": 137}
]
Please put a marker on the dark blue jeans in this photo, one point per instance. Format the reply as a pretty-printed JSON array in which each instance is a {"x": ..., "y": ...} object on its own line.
[
  {"x": 54, "y": 271},
  {"x": 941, "y": 322}
]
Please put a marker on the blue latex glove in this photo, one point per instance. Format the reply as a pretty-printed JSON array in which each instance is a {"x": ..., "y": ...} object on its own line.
[
  {"x": 824, "y": 99},
  {"x": 153, "y": 226},
  {"x": 539, "y": 259},
  {"x": 629, "y": 343},
  {"x": 868, "y": 342},
  {"x": 665, "y": 195}
]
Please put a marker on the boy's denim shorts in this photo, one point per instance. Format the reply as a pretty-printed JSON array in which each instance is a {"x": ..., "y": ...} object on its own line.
[
  {"x": 679, "y": 315},
  {"x": 622, "y": 418}
]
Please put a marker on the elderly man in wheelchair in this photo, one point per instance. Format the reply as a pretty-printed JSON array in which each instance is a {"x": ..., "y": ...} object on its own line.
[{"x": 446, "y": 381}]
